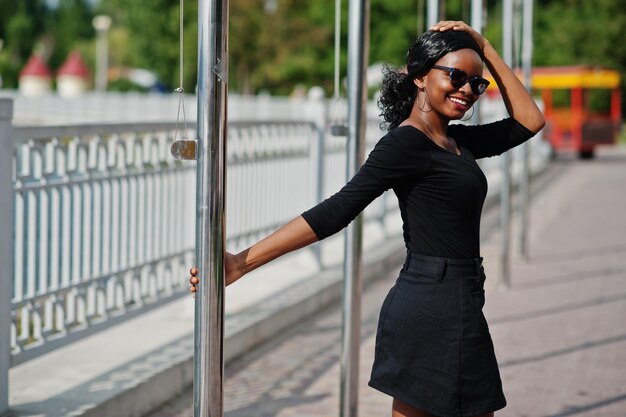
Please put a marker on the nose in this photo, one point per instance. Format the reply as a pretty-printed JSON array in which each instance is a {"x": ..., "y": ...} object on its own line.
[{"x": 466, "y": 89}]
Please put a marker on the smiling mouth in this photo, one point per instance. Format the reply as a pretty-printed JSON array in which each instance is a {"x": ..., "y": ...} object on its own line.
[{"x": 458, "y": 101}]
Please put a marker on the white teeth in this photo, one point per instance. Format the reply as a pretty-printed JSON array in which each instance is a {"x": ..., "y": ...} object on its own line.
[{"x": 458, "y": 100}]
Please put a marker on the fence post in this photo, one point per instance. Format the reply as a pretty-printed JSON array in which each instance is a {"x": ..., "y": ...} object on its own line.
[
  {"x": 6, "y": 247},
  {"x": 319, "y": 169}
]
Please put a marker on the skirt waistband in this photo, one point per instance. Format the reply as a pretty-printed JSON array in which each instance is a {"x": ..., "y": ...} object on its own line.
[{"x": 467, "y": 267}]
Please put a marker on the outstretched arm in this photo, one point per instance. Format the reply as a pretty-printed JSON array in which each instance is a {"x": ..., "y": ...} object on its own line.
[
  {"x": 517, "y": 100},
  {"x": 393, "y": 159},
  {"x": 293, "y": 235}
]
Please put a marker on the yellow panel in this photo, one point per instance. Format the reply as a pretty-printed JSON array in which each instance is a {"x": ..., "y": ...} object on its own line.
[
  {"x": 571, "y": 78},
  {"x": 601, "y": 79},
  {"x": 557, "y": 81}
]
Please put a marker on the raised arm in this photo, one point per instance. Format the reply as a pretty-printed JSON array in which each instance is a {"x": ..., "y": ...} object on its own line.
[
  {"x": 294, "y": 235},
  {"x": 517, "y": 100}
]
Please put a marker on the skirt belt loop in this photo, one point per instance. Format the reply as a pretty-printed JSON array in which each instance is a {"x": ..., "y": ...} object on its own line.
[
  {"x": 479, "y": 266},
  {"x": 407, "y": 260},
  {"x": 442, "y": 269}
]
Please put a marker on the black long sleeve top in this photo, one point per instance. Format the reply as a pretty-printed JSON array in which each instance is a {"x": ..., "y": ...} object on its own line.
[{"x": 440, "y": 193}]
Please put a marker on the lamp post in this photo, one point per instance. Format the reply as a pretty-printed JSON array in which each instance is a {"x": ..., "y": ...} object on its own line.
[
  {"x": 1, "y": 44},
  {"x": 101, "y": 24}
]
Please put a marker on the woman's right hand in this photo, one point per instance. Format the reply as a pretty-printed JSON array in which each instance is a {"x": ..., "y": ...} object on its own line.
[
  {"x": 444, "y": 25},
  {"x": 232, "y": 269}
]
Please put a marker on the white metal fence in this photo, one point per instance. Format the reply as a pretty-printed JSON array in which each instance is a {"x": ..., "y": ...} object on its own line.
[
  {"x": 104, "y": 216},
  {"x": 101, "y": 229},
  {"x": 100, "y": 218}
]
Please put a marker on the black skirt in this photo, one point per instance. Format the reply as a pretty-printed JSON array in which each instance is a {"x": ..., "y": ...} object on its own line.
[{"x": 433, "y": 348}]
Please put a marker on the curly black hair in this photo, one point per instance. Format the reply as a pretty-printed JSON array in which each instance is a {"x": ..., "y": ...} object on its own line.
[{"x": 398, "y": 90}]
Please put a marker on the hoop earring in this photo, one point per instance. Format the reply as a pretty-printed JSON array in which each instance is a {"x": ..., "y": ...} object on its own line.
[
  {"x": 423, "y": 106},
  {"x": 465, "y": 120}
]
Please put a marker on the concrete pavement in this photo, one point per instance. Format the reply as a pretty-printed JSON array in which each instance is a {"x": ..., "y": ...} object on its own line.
[{"x": 559, "y": 330}]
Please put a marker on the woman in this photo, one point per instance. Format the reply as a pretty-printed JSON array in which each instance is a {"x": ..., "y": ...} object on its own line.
[{"x": 434, "y": 354}]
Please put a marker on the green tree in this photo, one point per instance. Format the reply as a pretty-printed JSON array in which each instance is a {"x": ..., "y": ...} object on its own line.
[
  {"x": 71, "y": 25},
  {"x": 581, "y": 32},
  {"x": 22, "y": 24},
  {"x": 151, "y": 29},
  {"x": 293, "y": 45},
  {"x": 276, "y": 45}
]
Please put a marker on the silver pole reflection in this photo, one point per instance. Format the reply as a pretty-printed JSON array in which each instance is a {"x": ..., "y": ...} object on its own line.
[
  {"x": 477, "y": 11},
  {"x": 432, "y": 13},
  {"x": 527, "y": 58},
  {"x": 505, "y": 196},
  {"x": 358, "y": 43},
  {"x": 210, "y": 204}
]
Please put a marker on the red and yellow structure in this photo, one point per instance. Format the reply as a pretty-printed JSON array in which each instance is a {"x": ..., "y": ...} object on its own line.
[{"x": 572, "y": 123}]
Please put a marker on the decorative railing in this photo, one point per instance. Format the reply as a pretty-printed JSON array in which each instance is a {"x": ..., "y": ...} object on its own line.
[
  {"x": 104, "y": 216},
  {"x": 102, "y": 229}
]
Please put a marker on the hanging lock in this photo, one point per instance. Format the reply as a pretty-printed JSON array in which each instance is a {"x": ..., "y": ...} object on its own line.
[
  {"x": 339, "y": 130},
  {"x": 185, "y": 149}
]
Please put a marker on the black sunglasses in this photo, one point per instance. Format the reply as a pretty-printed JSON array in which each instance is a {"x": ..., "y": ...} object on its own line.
[{"x": 458, "y": 78}]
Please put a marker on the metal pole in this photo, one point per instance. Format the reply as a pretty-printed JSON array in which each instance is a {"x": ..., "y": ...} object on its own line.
[
  {"x": 208, "y": 387},
  {"x": 321, "y": 174},
  {"x": 358, "y": 43},
  {"x": 505, "y": 196},
  {"x": 432, "y": 13},
  {"x": 477, "y": 24},
  {"x": 420, "y": 16},
  {"x": 6, "y": 247},
  {"x": 337, "y": 49},
  {"x": 477, "y": 10},
  {"x": 527, "y": 57},
  {"x": 101, "y": 24},
  {"x": 442, "y": 10}
]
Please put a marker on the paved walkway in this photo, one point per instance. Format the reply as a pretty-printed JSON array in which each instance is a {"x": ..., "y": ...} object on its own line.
[{"x": 559, "y": 331}]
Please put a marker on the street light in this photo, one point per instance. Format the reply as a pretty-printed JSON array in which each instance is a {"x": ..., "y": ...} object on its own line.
[
  {"x": 101, "y": 24},
  {"x": 1, "y": 44}
]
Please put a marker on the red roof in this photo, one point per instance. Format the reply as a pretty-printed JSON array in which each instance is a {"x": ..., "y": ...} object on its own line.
[
  {"x": 36, "y": 67},
  {"x": 74, "y": 65}
]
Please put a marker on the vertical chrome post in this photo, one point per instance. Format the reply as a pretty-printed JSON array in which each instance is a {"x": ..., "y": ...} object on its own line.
[
  {"x": 321, "y": 175},
  {"x": 358, "y": 46},
  {"x": 505, "y": 196},
  {"x": 432, "y": 13},
  {"x": 420, "y": 17},
  {"x": 477, "y": 10},
  {"x": 527, "y": 58},
  {"x": 210, "y": 207},
  {"x": 6, "y": 246}
]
